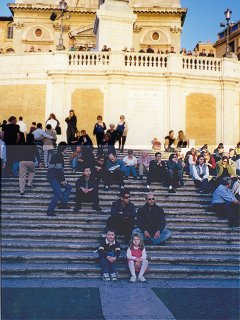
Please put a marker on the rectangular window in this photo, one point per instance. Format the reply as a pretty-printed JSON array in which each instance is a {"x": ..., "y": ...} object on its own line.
[{"x": 10, "y": 32}]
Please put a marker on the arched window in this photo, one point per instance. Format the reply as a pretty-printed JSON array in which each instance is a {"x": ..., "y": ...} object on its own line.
[{"x": 10, "y": 32}]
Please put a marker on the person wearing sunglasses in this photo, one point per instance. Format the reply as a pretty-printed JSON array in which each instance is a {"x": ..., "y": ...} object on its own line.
[
  {"x": 123, "y": 215},
  {"x": 151, "y": 222}
]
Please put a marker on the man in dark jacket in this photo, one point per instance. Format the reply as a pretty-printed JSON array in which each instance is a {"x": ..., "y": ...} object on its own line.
[
  {"x": 151, "y": 222},
  {"x": 56, "y": 179},
  {"x": 87, "y": 190},
  {"x": 157, "y": 170},
  {"x": 123, "y": 215}
]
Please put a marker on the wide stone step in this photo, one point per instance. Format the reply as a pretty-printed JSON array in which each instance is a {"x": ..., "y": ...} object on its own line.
[
  {"x": 101, "y": 219},
  {"x": 67, "y": 270},
  {"x": 75, "y": 235},
  {"x": 100, "y": 228},
  {"x": 87, "y": 246},
  {"x": 24, "y": 202},
  {"x": 91, "y": 257}
]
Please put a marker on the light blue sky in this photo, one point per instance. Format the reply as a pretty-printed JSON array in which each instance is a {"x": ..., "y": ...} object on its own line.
[{"x": 202, "y": 21}]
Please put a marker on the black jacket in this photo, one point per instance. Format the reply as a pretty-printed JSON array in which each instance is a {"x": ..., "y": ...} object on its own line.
[
  {"x": 151, "y": 219},
  {"x": 105, "y": 248},
  {"x": 92, "y": 183}
]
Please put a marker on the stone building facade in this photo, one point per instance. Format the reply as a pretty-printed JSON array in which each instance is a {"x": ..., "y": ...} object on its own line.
[
  {"x": 159, "y": 24},
  {"x": 156, "y": 92}
]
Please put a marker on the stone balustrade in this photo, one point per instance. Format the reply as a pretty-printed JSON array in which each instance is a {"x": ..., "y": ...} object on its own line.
[{"x": 171, "y": 64}]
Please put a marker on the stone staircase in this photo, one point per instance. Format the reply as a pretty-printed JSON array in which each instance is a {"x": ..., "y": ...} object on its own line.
[{"x": 34, "y": 245}]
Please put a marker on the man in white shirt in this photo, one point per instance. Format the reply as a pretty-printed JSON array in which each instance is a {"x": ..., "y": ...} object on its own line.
[{"x": 22, "y": 125}]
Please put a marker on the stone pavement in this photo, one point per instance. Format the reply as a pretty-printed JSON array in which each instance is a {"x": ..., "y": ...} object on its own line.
[{"x": 126, "y": 301}]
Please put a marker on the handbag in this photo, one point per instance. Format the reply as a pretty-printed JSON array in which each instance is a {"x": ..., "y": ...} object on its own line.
[{"x": 58, "y": 129}]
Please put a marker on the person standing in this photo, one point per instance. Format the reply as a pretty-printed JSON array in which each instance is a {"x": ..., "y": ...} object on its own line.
[
  {"x": 52, "y": 120},
  {"x": 48, "y": 144},
  {"x": 122, "y": 131},
  {"x": 71, "y": 121},
  {"x": 27, "y": 155},
  {"x": 11, "y": 137},
  {"x": 151, "y": 222},
  {"x": 99, "y": 129},
  {"x": 22, "y": 129},
  {"x": 56, "y": 179}
]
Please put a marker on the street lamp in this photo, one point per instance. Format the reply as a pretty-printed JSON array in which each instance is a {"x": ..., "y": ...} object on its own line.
[
  {"x": 228, "y": 14},
  {"x": 62, "y": 8}
]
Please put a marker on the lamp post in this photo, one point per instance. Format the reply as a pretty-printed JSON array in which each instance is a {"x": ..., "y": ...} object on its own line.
[
  {"x": 227, "y": 13},
  {"x": 62, "y": 8}
]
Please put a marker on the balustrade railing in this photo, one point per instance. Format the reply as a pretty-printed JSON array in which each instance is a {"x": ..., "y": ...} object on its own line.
[
  {"x": 201, "y": 63},
  {"x": 146, "y": 60},
  {"x": 88, "y": 59}
]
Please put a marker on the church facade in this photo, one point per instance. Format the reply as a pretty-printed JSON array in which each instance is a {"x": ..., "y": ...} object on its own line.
[{"x": 155, "y": 92}]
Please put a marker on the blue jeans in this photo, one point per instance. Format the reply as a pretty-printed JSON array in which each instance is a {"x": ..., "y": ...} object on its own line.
[
  {"x": 164, "y": 235},
  {"x": 106, "y": 266},
  {"x": 129, "y": 170},
  {"x": 74, "y": 163},
  {"x": 57, "y": 194}
]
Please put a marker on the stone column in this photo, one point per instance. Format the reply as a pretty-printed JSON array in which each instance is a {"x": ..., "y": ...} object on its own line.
[{"x": 114, "y": 25}]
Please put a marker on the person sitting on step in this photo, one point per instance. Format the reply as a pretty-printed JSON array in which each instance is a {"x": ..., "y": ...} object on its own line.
[
  {"x": 144, "y": 163},
  {"x": 123, "y": 213},
  {"x": 151, "y": 222},
  {"x": 87, "y": 190},
  {"x": 225, "y": 204},
  {"x": 137, "y": 258},
  {"x": 156, "y": 144},
  {"x": 130, "y": 165},
  {"x": 115, "y": 170},
  {"x": 157, "y": 170},
  {"x": 169, "y": 142},
  {"x": 201, "y": 174},
  {"x": 108, "y": 253},
  {"x": 175, "y": 173}
]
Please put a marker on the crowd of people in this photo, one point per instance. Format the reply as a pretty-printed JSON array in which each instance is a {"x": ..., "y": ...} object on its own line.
[
  {"x": 217, "y": 173},
  {"x": 149, "y": 49}
]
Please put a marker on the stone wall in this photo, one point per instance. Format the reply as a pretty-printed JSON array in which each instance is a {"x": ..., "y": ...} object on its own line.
[{"x": 25, "y": 100}]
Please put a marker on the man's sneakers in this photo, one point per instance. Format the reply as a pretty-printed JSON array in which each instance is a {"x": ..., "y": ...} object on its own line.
[
  {"x": 148, "y": 187},
  {"x": 171, "y": 190},
  {"x": 106, "y": 188},
  {"x": 133, "y": 279},
  {"x": 141, "y": 278},
  {"x": 77, "y": 208},
  {"x": 106, "y": 277},
  {"x": 113, "y": 277}
]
